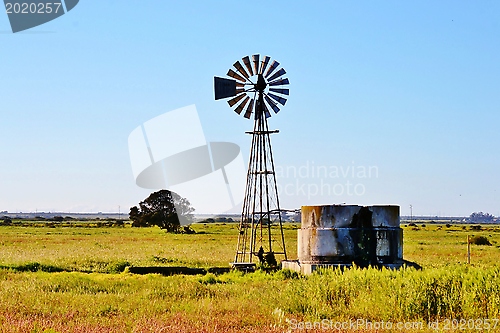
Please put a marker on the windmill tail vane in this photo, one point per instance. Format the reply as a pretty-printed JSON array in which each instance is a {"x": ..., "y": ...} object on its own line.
[{"x": 258, "y": 87}]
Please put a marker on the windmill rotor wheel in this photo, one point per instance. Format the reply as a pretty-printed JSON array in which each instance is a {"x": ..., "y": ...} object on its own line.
[{"x": 253, "y": 82}]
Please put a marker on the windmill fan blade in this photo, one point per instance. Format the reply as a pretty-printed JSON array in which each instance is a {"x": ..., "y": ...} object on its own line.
[
  {"x": 249, "y": 110},
  {"x": 278, "y": 99},
  {"x": 273, "y": 105},
  {"x": 273, "y": 66},
  {"x": 280, "y": 82},
  {"x": 256, "y": 63},
  {"x": 239, "y": 85},
  {"x": 266, "y": 111},
  {"x": 235, "y": 100},
  {"x": 235, "y": 75},
  {"x": 279, "y": 91},
  {"x": 240, "y": 69},
  {"x": 277, "y": 74},
  {"x": 264, "y": 64},
  {"x": 239, "y": 91},
  {"x": 242, "y": 105},
  {"x": 246, "y": 61}
]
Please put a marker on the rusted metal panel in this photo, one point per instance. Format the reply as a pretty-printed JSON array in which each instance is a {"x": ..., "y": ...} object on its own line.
[{"x": 385, "y": 216}]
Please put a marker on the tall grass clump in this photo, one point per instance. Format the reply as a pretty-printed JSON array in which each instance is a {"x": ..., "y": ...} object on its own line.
[{"x": 406, "y": 294}]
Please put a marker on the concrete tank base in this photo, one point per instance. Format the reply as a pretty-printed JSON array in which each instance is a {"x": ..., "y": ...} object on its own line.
[{"x": 342, "y": 235}]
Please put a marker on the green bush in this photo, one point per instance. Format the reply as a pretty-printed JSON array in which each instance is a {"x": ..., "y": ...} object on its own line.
[
  {"x": 209, "y": 278},
  {"x": 287, "y": 274},
  {"x": 117, "y": 266},
  {"x": 34, "y": 267},
  {"x": 479, "y": 240}
]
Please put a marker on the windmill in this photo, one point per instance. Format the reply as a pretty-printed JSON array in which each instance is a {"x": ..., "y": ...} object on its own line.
[{"x": 255, "y": 88}]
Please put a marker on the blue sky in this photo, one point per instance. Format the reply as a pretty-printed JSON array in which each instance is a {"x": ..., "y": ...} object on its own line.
[{"x": 409, "y": 88}]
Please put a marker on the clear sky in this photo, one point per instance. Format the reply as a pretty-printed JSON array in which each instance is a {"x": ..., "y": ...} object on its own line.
[{"x": 405, "y": 93}]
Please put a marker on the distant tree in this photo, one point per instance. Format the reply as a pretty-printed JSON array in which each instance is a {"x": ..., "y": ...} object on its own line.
[
  {"x": 118, "y": 223},
  {"x": 297, "y": 217},
  {"x": 481, "y": 217},
  {"x": 163, "y": 208},
  {"x": 136, "y": 217}
]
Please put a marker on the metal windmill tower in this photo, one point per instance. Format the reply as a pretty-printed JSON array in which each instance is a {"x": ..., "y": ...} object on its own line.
[{"x": 256, "y": 89}]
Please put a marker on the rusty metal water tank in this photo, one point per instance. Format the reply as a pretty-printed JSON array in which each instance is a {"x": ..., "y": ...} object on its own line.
[{"x": 340, "y": 235}]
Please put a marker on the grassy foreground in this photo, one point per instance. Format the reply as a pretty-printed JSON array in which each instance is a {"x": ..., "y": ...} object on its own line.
[{"x": 91, "y": 294}]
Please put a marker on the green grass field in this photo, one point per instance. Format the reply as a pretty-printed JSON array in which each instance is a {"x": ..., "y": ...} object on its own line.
[{"x": 71, "y": 279}]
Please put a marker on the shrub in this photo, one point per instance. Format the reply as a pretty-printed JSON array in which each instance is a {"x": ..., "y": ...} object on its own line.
[
  {"x": 287, "y": 274},
  {"x": 209, "y": 278},
  {"x": 34, "y": 267},
  {"x": 479, "y": 240},
  {"x": 187, "y": 230},
  {"x": 117, "y": 266},
  {"x": 119, "y": 223}
]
